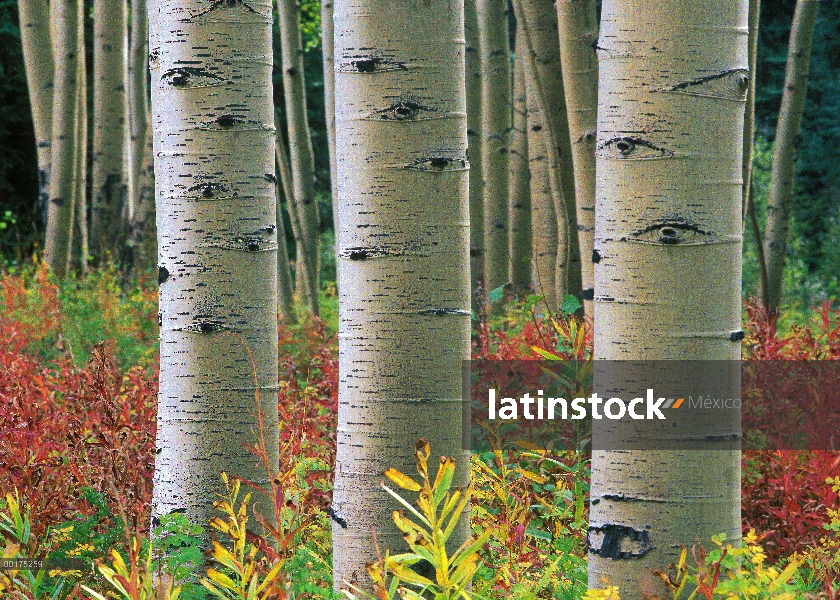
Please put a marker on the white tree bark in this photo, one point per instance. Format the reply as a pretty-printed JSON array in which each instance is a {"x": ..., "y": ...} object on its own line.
[
  {"x": 217, "y": 246},
  {"x": 668, "y": 271},
  {"x": 403, "y": 256}
]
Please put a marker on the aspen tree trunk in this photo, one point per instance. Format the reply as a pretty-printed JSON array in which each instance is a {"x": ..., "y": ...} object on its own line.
[
  {"x": 544, "y": 221},
  {"x": 284, "y": 172},
  {"x": 217, "y": 238},
  {"x": 143, "y": 237},
  {"x": 537, "y": 21},
  {"x": 403, "y": 244},
  {"x": 63, "y": 23},
  {"x": 38, "y": 61},
  {"x": 80, "y": 241},
  {"x": 668, "y": 234},
  {"x": 300, "y": 147},
  {"x": 285, "y": 285},
  {"x": 329, "y": 95},
  {"x": 474, "y": 137},
  {"x": 749, "y": 116},
  {"x": 578, "y": 29},
  {"x": 138, "y": 105},
  {"x": 783, "y": 173},
  {"x": 520, "y": 180},
  {"x": 110, "y": 188},
  {"x": 494, "y": 47}
]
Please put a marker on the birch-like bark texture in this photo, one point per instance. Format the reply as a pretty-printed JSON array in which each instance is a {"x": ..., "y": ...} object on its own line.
[
  {"x": 38, "y": 62},
  {"x": 285, "y": 285},
  {"x": 109, "y": 184},
  {"x": 537, "y": 22},
  {"x": 63, "y": 23},
  {"x": 217, "y": 237},
  {"x": 494, "y": 50},
  {"x": 783, "y": 172},
  {"x": 403, "y": 256},
  {"x": 138, "y": 104},
  {"x": 80, "y": 242},
  {"x": 749, "y": 116},
  {"x": 142, "y": 239},
  {"x": 578, "y": 30},
  {"x": 544, "y": 222},
  {"x": 329, "y": 95},
  {"x": 300, "y": 148},
  {"x": 519, "y": 200},
  {"x": 474, "y": 137},
  {"x": 668, "y": 269}
]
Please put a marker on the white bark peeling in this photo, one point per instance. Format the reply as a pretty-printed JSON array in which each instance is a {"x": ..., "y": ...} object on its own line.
[
  {"x": 217, "y": 239},
  {"x": 403, "y": 257}
]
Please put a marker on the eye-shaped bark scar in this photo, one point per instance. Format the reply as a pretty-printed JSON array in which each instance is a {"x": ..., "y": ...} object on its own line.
[
  {"x": 190, "y": 78},
  {"x": 366, "y": 63},
  {"x": 669, "y": 233},
  {"x": 208, "y": 190},
  {"x": 631, "y": 148},
  {"x": 438, "y": 163},
  {"x": 364, "y": 253},
  {"x": 202, "y": 326},
  {"x": 227, "y": 11},
  {"x": 234, "y": 123},
  {"x": 405, "y": 109},
  {"x": 731, "y": 84}
]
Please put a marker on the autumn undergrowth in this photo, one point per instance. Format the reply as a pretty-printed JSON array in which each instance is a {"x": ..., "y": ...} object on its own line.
[{"x": 78, "y": 388}]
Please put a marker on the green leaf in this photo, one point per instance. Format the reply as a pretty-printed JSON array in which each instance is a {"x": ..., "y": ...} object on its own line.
[
  {"x": 497, "y": 294},
  {"x": 570, "y": 305}
]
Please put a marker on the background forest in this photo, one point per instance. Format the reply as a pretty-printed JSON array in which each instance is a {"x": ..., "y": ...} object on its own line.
[{"x": 81, "y": 359}]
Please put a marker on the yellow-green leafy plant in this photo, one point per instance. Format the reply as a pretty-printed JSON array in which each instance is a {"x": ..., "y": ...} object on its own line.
[
  {"x": 242, "y": 575},
  {"x": 15, "y": 534},
  {"x": 135, "y": 579},
  {"x": 824, "y": 558},
  {"x": 426, "y": 529}
]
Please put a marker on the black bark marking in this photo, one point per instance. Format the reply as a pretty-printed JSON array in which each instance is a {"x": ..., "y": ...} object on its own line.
[
  {"x": 163, "y": 274},
  {"x": 536, "y": 128},
  {"x": 442, "y": 312},
  {"x": 596, "y": 256},
  {"x": 270, "y": 177},
  {"x": 361, "y": 253},
  {"x": 736, "y": 336},
  {"x": 190, "y": 77},
  {"x": 160, "y": 319},
  {"x": 586, "y": 137},
  {"x": 626, "y": 498},
  {"x": 405, "y": 109},
  {"x": 588, "y": 294},
  {"x": 342, "y": 522},
  {"x": 222, "y": 5},
  {"x": 670, "y": 232},
  {"x": 370, "y": 64},
  {"x": 57, "y": 201},
  {"x": 228, "y": 121},
  {"x": 206, "y": 326},
  {"x": 438, "y": 163},
  {"x": 618, "y": 542},
  {"x": 253, "y": 245},
  {"x": 208, "y": 190},
  {"x": 634, "y": 148},
  {"x": 731, "y": 84},
  {"x": 292, "y": 71}
]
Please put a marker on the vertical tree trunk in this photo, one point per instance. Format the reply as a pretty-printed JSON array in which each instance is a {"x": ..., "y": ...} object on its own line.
[
  {"x": 783, "y": 173},
  {"x": 520, "y": 180},
  {"x": 138, "y": 104},
  {"x": 143, "y": 237},
  {"x": 38, "y": 61},
  {"x": 494, "y": 46},
  {"x": 300, "y": 147},
  {"x": 109, "y": 189},
  {"x": 578, "y": 29},
  {"x": 537, "y": 21},
  {"x": 63, "y": 23},
  {"x": 285, "y": 285},
  {"x": 217, "y": 238},
  {"x": 329, "y": 94},
  {"x": 749, "y": 116},
  {"x": 544, "y": 222},
  {"x": 80, "y": 241},
  {"x": 403, "y": 245},
  {"x": 474, "y": 137},
  {"x": 668, "y": 224}
]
